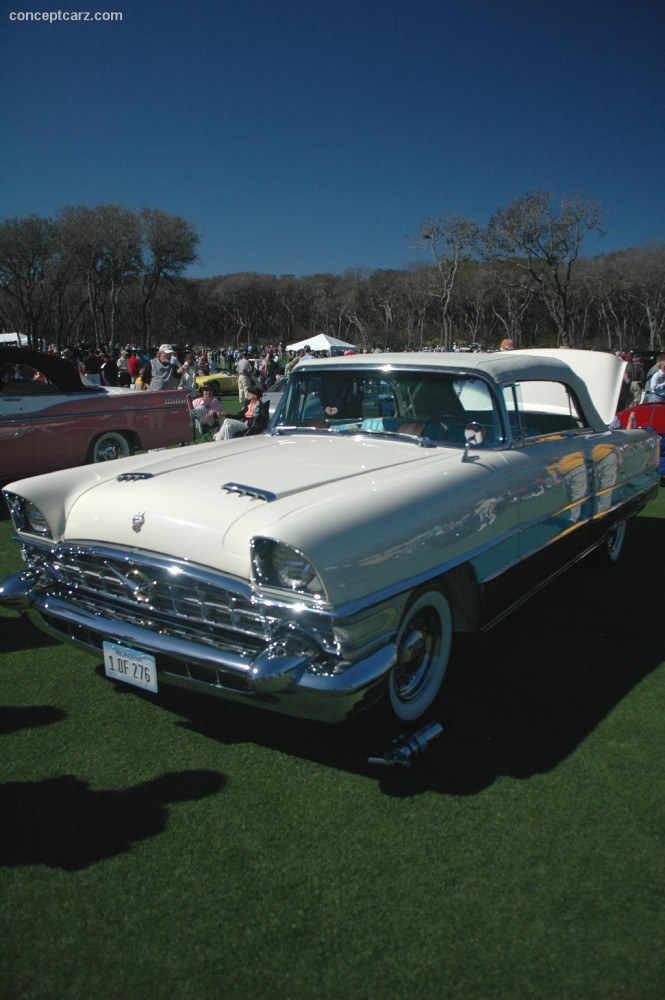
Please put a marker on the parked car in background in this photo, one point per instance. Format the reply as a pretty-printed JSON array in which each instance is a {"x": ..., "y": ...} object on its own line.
[
  {"x": 273, "y": 395},
  {"x": 651, "y": 416},
  {"x": 219, "y": 382},
  {"x": 51, "y": 418},
  {"x": 326, "y": 564}
]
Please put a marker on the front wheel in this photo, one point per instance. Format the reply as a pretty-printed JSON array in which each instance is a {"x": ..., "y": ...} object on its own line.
[
  {"x": 423, "y": 650},
  {"x": 109, "y": 446}
]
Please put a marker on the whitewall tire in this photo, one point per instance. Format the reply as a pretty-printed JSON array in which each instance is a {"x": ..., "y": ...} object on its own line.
[
  {"x": 109, "y": 446},
  {"x": 423, "y": 650}
]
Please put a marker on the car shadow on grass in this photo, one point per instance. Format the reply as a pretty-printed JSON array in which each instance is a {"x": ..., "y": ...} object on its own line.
[
  {"x": 17, "y": 633},
  {"x": 515, "y": 702},
  {"x": 13, "y": 718},
  {"x": 64, "y": 823}
]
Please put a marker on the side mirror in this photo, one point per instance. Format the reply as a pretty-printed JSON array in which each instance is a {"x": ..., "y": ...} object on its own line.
[{"x": 474, "y": 435}]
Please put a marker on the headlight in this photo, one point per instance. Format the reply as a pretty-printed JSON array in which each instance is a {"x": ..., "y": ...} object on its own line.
[
  {"x": 280, "y": 565},
  {"x": 27, "y": 516},
  {"x": 35, "y": 519}
]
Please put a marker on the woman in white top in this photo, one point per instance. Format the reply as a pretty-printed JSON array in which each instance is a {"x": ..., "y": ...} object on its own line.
[{"x": 188, "y": 375}]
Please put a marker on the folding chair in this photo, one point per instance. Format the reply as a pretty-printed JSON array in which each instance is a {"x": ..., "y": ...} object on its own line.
[{"x": 205, "y": 433}]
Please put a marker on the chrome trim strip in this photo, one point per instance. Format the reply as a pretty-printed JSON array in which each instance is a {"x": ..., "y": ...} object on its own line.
[
  {"x": 41, "y": 415},
  {"x": 352, "y": 608}
]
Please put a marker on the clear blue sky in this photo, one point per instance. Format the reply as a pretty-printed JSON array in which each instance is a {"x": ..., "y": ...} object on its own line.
[{"x": 302, "y": 137}]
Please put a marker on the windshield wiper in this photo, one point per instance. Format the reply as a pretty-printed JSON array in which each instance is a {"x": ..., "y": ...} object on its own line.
[
  {"x": 290, "y": 428},
  {"x": 422, "y": 442}
]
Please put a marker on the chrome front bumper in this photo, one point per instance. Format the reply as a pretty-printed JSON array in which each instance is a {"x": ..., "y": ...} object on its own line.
[{"x": 283, "y": 677}]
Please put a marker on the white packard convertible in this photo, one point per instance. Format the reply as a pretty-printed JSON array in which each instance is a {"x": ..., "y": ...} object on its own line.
[{"x": 325, "y": 564}]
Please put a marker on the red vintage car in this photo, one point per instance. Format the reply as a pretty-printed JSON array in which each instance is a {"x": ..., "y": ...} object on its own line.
[
  {"x": 51, "y": 419},
  {"x": 650, "y": 415}
]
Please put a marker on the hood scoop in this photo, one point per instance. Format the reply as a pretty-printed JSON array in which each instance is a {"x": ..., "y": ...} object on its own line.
[
  {"x": 130, "y": 477},
  {"x": 253, "y": 492}
]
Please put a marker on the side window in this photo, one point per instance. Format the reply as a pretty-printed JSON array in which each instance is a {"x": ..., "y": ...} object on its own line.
[
  {"x": 22, "y": 379},
  {"x": 539, "y": 408},
  {"x": 478, "y": 405}
]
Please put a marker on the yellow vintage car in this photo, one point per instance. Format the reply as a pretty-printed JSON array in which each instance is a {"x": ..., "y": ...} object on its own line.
[{"x": 220, "y": 382}]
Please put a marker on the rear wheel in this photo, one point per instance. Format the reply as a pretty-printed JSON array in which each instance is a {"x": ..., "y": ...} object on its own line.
[
  {"x": 612, "y": 546},
  {"x": 109, "y": 446},
  {"x": 423, "y": 650}
]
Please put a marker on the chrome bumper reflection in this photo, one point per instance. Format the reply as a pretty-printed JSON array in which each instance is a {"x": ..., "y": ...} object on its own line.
[
  {"x": 290, "y": 675},
  {"x": 15, "y": 591}
]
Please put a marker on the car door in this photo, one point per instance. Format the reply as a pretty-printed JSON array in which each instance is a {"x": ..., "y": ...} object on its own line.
[
  {"x": 554, "y": 482},
  {"x": 17, "y": 435}
]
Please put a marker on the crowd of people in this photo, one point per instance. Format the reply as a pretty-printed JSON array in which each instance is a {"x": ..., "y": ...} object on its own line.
[
  {"x": 646, "y": 385},
  {"x": 176, "y": 368}
]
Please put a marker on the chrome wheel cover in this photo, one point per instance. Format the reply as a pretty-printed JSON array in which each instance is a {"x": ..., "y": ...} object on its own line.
[
  {"x": 109, "y": 447},
  {"x": 423, "y": 648}
]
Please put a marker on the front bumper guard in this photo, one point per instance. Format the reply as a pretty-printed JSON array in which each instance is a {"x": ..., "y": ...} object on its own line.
[
  {"x": 283, "y": 677},
  {"x": 15, "y": 591}
]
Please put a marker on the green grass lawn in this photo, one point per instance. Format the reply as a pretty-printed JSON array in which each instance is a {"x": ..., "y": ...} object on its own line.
[{"x": 178, "y": 847}]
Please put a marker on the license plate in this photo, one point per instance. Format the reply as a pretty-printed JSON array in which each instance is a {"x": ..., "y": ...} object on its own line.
[{"x": 131, "y": 666}]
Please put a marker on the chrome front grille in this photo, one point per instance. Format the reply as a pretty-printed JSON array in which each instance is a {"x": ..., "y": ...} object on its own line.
[{"x": 164, "y": 595}]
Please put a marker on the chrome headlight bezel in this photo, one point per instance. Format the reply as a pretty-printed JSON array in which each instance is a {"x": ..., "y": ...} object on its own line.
[
  {"x": 279, "y": 566},
  {"x": 26, "y": 516}
]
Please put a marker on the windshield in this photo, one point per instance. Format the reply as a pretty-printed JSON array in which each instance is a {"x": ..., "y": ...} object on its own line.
[{"x": 423, "y": 404}]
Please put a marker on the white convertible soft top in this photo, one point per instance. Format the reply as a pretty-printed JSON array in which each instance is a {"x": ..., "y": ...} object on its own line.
[
  {"x": 601, "y": 373},
  {"x": 595, "y": 376}
]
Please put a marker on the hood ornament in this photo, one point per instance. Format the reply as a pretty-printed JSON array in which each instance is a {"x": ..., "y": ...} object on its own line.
[{"x": 138, "y": 521}]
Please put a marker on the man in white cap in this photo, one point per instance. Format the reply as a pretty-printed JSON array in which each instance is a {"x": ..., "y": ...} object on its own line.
[{"x": 160, "y": 373}]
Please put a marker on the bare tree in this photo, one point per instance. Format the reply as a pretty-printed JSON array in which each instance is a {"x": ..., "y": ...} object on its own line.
[
  {"x": 645, "y": 267},
  {"x": 472, "y": 305},
  {"x": 385, "y": 290},
  {"x": 543, "y": 240},
  {"x": 103, "y": 245},
  {"x": 510, "y": 301},
  {"x": 169, "y": 247},
  {"x": 416, "y": 301},
  {"x": 449, "y": 240},
  {"x": 27, "y": 254}
]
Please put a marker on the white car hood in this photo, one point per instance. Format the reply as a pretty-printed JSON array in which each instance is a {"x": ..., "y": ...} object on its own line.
[{"x": 183, "y": 510}]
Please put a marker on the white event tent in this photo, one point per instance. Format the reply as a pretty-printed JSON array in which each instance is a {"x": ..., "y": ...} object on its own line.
[
  {"x": 321, "y": 342},
  {"x": 13, "y": 339}
]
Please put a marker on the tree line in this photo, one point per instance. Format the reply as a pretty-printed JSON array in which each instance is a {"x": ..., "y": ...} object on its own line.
[{"x": 110, "y": 276}]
